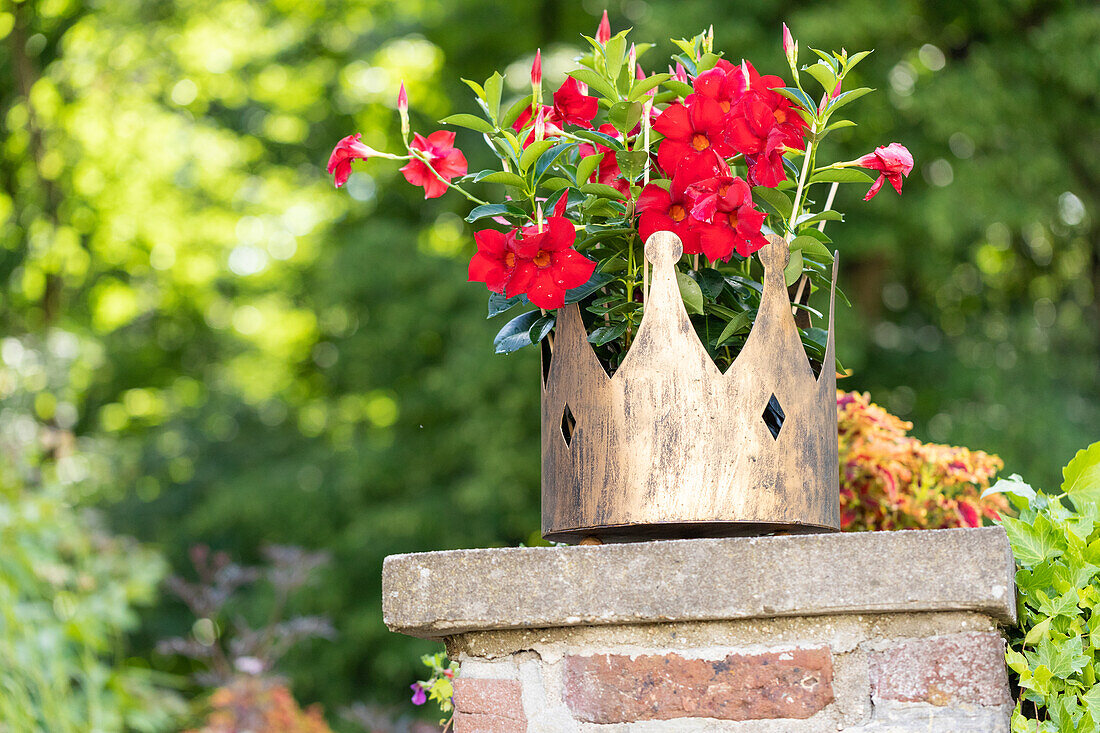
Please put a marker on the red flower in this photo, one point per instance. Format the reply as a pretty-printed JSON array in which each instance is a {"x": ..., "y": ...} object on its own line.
[
  {"x": 723, "y": 205},
  {"x": 347, "y": 150},
  {"x": 547, "y": 265},
  {"x": 661, "y": 210},
  {"x": 689, "y": 132},
  {"x": 495, "y": 259},
  {"x": 969, "y": 515},
  {"x": 762, "y": 124},
  {"x": 572, "y": 106},
  {"x": 893, "y": 162},
  {"x": 445, "y": 159},
  {"x": 608, "y": 171}
]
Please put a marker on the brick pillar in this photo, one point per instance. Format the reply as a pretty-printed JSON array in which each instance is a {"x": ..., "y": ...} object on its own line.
[{"x": 872, "y": 632}]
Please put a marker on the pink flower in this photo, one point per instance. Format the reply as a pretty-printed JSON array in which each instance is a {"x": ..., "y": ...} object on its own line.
[
  {"x": 894, "y": 162},
  {"x": 347, "y": 150},
  {"x": 790, "y": 50},
  {"x": 419, "y": 696},
  {"x": 446, "y": 160}
]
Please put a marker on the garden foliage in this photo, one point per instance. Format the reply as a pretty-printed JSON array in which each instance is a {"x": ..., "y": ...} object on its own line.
[
  {"x": 1054, "y": 652},
  {"x": 891, "y": 480}
]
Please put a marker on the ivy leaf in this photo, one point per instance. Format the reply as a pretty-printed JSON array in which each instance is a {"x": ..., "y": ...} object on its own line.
[
  {"x": 690, "y": 292},
  {"x": 1014, "y": 484},
  {"x": 516, "y": 333},
  {"x": 1081, "y": 476},
  {"x": 1031, "y": 543}
]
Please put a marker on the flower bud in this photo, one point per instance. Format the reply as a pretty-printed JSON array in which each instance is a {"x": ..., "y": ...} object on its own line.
[
  {"x": 632, "y": 57},
  {"x": 403, "y": 109},
  {"x": 540, "y": 125},
  {"x": 536, "y": 68},
  {"x": 790, "y": 48},
  {"x": 603, "y": 33}
]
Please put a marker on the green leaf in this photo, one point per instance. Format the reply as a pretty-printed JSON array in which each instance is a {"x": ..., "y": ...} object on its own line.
[
  {"x": 493, "y": 87},
  {"x": 711, "y": 282},
  {"x": 631, "y": 163},
  {"x": 839, "y": 124},
  {"x": 852, "y": 61},
  {"x": 533, "y": 152},
  {"x": 614, "y": 54},
  {"x": 579, "y": 293},
  {"x": 1014, "y": 484},
  {"x": 556, "y": 183},
  {"x": 487, "y": 210},
  {"x": 742, "y": 322},
  {"x": 625, "y": 115},
  {"x": 516, "y": 333},
  {"x": 799, "y": 97},
  {"x": 600, "y": 138},
  {"x": 540, "y": 328},
  {"x": 470, "y": 122},
  {"x": 827, "y": 215},
  {"x": 1031, "y": 543},
  {"x": 548, "y": 158},
  {"x": 498, "y": 303},
  {"x": 824, "y": 75},
  {"x": 682, "y": 89},
  {"x": 602, "y": 190},
  {"x": 846, "y": 97},
  {"x": 707, "y": 62},
  {"x": 508, "y": 179},
  {"x": 640, "y": 87},
  {"x": 478, "y": 89},
  {"x": 841, "y": 175},
  {"x": 808, "y": 245},
  {"x": 587, "y": 165},
  {"x": 1081, "y": 476},
  {"x": 794, "y": 268},
  {"x": 606, "y": 334},
  {"x": 516, "y": 110},
  {"x": 596, "y": 82},
  {"x": 690, "y": 292},
  {"x": 777, "y": 200}
]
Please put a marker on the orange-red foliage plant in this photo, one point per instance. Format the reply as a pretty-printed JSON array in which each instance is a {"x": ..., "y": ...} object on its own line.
[
  {"x": 258, "y": 704},
  {"x": 890, "y": 480}
]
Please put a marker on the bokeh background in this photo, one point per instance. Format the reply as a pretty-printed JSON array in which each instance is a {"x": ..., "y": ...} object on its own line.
[{"x": 204, "y": 342}]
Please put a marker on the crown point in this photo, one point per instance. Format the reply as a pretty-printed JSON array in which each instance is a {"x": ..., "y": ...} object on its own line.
[
  {"x": 663, "y": 249},
  {"x": 776, "y": 255}
]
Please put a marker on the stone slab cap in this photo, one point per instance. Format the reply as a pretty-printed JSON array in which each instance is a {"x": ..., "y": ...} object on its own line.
[{"x": 436, "y": 594}]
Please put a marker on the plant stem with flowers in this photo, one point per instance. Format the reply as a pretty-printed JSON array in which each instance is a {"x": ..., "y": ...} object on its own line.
[{"x": 705, "y": 151}]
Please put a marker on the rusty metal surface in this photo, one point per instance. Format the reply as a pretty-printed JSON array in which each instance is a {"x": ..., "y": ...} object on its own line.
[{"x": 670, "y": 446}]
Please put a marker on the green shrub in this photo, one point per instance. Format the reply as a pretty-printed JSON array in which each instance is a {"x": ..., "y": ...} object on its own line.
[
  {"x": 67, "y": 588},
  {"x": 1053, "y": 653}
]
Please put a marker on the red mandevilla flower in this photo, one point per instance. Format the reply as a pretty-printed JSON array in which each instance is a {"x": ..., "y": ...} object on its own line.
[
  {"x": 661, "y": 210},
  {"x": 573, "y": 106},
  {"x": 762, "y": 124},
  {"x": 728, "y": 221},
  {"x": 893, "y": 161},
  {"x": 445, "y": 159},
  {"x": 347, "y": 150},
  {"x": 603, "y": 32},
  {"x": 543, "y": 264},
  {"x": 690, "y": 131}
]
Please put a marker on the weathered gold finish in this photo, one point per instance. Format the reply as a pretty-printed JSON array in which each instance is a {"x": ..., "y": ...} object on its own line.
[{"x": 670, "y": 446}]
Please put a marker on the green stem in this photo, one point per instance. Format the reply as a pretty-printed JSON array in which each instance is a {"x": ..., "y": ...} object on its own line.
[{"x": 807, "y": 162}]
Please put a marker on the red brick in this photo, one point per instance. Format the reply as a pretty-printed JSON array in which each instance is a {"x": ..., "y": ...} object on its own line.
[
  {"x": 943, "y": 670},
  {"x": 489, "y": 706},
  {"x": 620, "y": 689}
]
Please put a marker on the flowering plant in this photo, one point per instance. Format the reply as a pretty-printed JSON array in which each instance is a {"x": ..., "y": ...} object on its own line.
[{"x": 711, "y": 150}]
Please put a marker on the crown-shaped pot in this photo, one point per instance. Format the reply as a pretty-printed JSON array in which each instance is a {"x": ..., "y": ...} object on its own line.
[{"x": 670, "y": 446}]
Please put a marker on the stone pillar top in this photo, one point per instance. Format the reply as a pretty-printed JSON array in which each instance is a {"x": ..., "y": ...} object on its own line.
[{"x": 436, "y": 594}]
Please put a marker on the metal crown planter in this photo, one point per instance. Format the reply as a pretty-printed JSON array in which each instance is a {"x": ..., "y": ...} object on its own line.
[{"x": 671, "y": 447}]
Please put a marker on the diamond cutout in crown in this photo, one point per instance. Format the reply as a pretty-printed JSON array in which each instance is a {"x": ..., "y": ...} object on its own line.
[{"x": 669, "y": 446}]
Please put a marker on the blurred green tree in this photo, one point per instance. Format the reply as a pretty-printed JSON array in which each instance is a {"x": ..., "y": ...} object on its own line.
[{"x": 284, "y": 362}]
